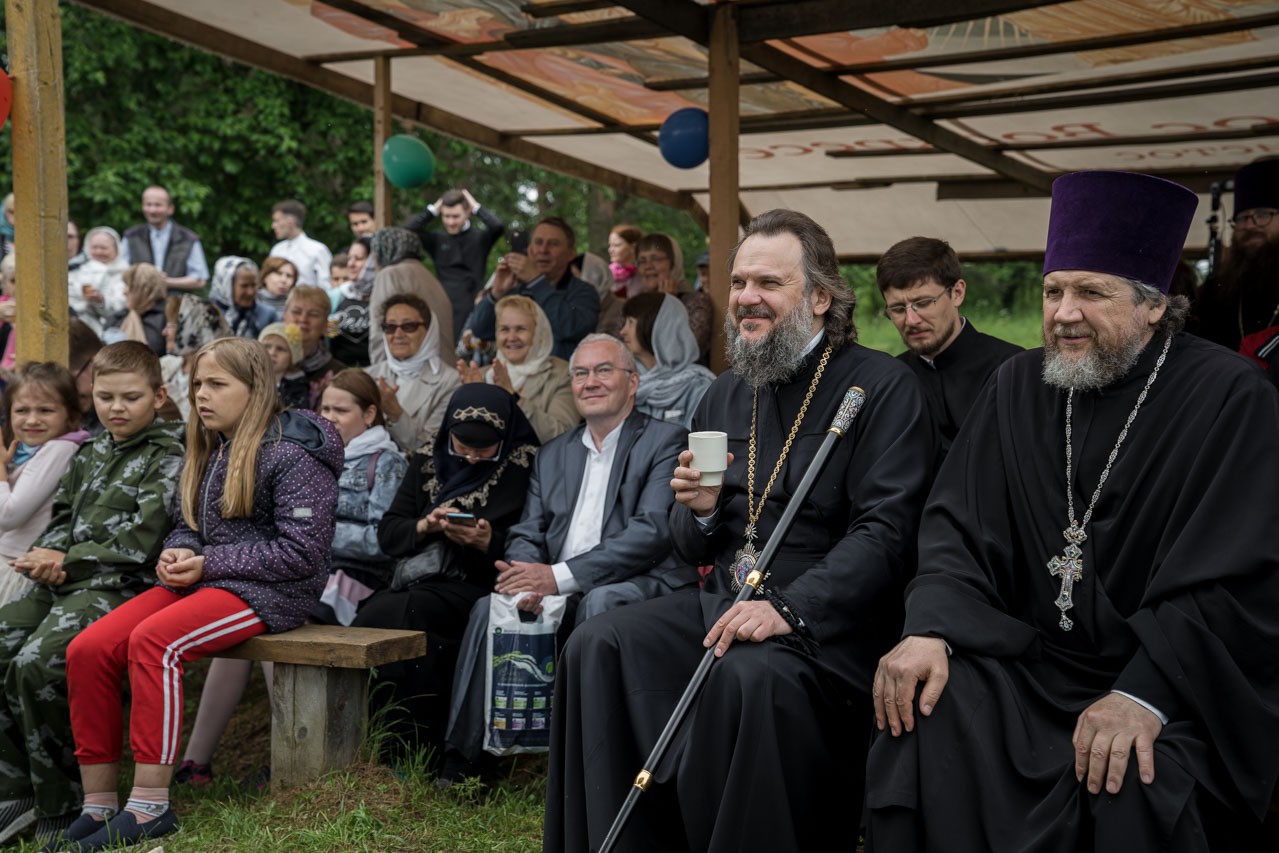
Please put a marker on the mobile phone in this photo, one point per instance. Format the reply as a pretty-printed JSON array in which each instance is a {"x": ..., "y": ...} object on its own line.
[
  {"x": 519, "y": 242},
  {"x": 465, "y": 519}
]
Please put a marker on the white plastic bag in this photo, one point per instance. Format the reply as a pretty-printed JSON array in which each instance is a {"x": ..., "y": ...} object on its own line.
[{"x": 519, "y": 678}]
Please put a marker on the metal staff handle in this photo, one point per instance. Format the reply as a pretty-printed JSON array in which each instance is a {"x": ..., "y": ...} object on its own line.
[{"x": 854, "y": 399}]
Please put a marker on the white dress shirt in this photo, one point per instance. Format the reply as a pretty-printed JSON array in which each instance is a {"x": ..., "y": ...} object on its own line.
[
  {"x": 311, "y": 257},
  {"x": 587, "y": 526}
]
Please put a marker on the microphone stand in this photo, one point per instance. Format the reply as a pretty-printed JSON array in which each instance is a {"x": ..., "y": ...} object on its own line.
[{"x": 853, "y": 401}]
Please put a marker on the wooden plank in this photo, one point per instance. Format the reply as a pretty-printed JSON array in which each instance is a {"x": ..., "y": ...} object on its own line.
[
  {"x": 332, "y": 646},
  {"x": 382, "y": 124},
  {"x": 555, "y": 8},
  {"x": 724, "y": 65},
  {"x": 565, "y": 35},
  {"x": 318, "y": 720},
  {"x": 34, "y": 34},
  {"x": 795, "y": 18},
  {"x": 1028, "y": 51}
]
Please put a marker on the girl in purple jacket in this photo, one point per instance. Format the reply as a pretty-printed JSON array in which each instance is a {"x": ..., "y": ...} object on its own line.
[{"x": 249, "y": 553}]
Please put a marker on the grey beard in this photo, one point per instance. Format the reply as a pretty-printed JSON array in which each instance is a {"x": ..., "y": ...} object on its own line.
[
  {"x": 1101, "y": 367},
  {"x": 774, "y": 359}
]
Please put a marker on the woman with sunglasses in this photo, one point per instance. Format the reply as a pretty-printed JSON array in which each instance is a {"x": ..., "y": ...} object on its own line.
[
  {"x": 446, "y": 527},
  {"x": 414, "y": 382}
]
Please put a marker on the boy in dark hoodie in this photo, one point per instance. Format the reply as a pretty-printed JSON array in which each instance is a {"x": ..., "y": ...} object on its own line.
[{"x": 110, "y": 517}]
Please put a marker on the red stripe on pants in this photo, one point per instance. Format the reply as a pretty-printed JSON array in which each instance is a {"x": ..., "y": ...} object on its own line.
[{"x": 154, "y": 635}]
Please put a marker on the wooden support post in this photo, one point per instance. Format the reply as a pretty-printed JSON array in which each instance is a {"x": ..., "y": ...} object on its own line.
[
  {"x": 34, "y": 31},
  {"x": 318, "y": 717},
  {"x": 382, "y": 121},
  {"x": 725, "y": 125}
]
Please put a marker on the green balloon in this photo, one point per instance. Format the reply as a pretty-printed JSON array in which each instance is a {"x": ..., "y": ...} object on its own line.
[{"x": 407, "y": 161}]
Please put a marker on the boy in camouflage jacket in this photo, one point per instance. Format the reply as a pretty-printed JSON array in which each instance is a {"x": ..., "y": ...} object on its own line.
[{"x": 110, "y": 517}]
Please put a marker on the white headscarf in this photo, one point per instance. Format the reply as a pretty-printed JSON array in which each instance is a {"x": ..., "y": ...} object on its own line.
[
  {"x": 538, "y": 353},
  {"x": 427, "y": 355}
]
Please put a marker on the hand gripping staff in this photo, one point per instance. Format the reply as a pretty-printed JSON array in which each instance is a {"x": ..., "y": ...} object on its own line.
[{"x": 839, "y": 426}]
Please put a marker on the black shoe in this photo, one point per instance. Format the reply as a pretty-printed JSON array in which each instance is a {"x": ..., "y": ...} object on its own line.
[
  {"x": 458, "y": 769},
  {"x": 15, "y": 816},
  {"x": 56, "y": 837},
  {"x": 125, "y": 829}
]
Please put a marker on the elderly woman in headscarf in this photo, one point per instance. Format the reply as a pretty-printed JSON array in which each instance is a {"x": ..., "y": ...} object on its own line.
[
  {"x": 415, "y": 383},
  {"x": 660, "y": 262},
  {"x": 479, "y": 464},
  {"x": 145, "y": 288},
  {"x": 234, "y": 290},
  {"x": 525, "y": 367},
  {"x": 192, "y": 323},
  {"x": 671, "y": 383},
  {"x": 96, "y": 287},
  {"x": 398, "y": 253}
]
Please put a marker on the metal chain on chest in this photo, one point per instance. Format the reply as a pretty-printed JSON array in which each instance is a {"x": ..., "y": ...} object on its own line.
[
  {"x": 1069, "y": 565},
  {"x": 746, "y": 558}
]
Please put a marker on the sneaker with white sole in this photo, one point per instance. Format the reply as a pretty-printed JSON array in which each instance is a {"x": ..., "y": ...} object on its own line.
[{"x": 15, "y": 816}]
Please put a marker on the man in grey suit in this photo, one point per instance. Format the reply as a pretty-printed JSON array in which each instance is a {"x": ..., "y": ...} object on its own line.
[{"x": 595, "y": 527}]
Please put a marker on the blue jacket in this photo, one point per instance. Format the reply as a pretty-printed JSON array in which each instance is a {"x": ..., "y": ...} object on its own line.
[
  {"x": 360, "y": 507},
  {"x": 277, "y": 559}
]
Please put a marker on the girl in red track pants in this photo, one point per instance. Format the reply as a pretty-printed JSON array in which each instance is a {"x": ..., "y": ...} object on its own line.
[
  {"x": 154, "y": 635},
  {"x": 249, "y": 553}
]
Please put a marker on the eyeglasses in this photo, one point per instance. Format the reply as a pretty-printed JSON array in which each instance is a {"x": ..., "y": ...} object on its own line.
[
  {"x": 603, "y": 372},
  {"x": 919, "y": 306},
  {"x": 408, "y": 327},
  {"x": 488, "y": 454},
  {"x": 1260, "y": 218}
]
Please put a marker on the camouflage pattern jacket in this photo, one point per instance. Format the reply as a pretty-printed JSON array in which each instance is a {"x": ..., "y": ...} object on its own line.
[{"x": 112, "y": 509}]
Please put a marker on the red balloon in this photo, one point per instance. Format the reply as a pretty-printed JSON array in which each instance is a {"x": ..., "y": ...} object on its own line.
[{"x": 6, "y": 98}]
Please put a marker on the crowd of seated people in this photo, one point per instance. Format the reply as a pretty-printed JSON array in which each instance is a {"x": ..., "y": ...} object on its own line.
[{"x": 330, "y": 386}]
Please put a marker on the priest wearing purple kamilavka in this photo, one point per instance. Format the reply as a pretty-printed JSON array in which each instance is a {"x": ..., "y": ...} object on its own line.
[{"x": 1090, "y": 645}]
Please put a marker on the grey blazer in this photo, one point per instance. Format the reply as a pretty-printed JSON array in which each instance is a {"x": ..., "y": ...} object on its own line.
[{"x": 635, "y": 539}]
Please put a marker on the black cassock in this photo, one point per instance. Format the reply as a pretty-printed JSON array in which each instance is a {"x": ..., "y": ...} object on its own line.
[
  {"x": 772, "y": 755},
  {"x": 1178, "y": 605},
  {"x": 954, "y": 378}
]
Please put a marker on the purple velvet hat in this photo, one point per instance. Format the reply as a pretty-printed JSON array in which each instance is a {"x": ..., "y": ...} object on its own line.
[
  {"x": 1257, "y": 185},
  {"x": 1119, "y": 223}
]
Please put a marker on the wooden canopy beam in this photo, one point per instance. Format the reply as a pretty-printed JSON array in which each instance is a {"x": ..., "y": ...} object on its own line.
[
  {"x": 1004, "y": 54},
  {"x": 564, "y": 35},
  {"x": 179, "y": 28},
  {"x": 34, "y": 34},
  {"x": 725, "y": 98},
  {"x": 796, "y": 18},
  {"x": 383, "y": 119}
]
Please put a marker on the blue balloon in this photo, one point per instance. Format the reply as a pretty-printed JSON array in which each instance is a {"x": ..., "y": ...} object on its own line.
[
  {"x": 407, "y": 161},
  {"x": 684, "y": 139}
]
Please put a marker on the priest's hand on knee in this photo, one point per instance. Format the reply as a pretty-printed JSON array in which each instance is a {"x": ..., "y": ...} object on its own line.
[
  {"x": 688, "y": 488},
  {"x": 747, "y": 620},
  {"x": 912, "y": 660},
  {"x": 1106, "y": 734}
]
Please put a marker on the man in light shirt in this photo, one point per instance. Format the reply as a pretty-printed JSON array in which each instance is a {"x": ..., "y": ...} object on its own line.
[
  {"x": 165, "y": 244},
  {"x": 594, "y": 527},
  {"x": 311, "y": 257}
]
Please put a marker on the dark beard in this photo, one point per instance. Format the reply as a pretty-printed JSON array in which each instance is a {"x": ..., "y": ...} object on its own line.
[
  {"x": 1245, "y": 271},
  {"x": 776, "y": 358},
  {"x": 1101, "y": 367}
]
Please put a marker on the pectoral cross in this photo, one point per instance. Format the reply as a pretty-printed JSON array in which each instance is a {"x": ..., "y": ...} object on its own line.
[{"x": 1069, "y": 566}]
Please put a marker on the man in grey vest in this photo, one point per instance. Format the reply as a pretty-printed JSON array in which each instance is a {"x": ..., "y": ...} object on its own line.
[{"x": 164, "y": 243}]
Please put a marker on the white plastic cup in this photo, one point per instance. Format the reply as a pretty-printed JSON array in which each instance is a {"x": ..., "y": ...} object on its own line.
[{"x": 710, "y": 455}]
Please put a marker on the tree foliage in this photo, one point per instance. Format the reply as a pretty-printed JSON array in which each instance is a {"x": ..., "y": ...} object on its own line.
[{"x": 229, "y": 141}]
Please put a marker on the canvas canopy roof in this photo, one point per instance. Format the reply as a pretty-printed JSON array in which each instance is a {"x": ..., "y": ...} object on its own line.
[{"x": 879, "y": 118}]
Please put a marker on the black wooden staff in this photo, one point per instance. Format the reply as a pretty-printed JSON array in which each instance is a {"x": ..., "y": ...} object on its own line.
[{"x": 839, "y": 425}]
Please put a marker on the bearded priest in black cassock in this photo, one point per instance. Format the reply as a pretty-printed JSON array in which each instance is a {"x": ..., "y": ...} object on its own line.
[
  {"x": 1095, "y": 621},
  {"x": 786, "y": 709}
]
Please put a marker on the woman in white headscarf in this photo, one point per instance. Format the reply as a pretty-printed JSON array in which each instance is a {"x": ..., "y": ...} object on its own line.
[
  {"x": 671, "y": 383},
  {"x": 96, "y": 287},
  {"x": 525, "y": 367},
  {"x": 415, "y": 384}
]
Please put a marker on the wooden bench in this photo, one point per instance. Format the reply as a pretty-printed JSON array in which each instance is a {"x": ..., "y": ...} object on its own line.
[{"x": 320, "y": 694}]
